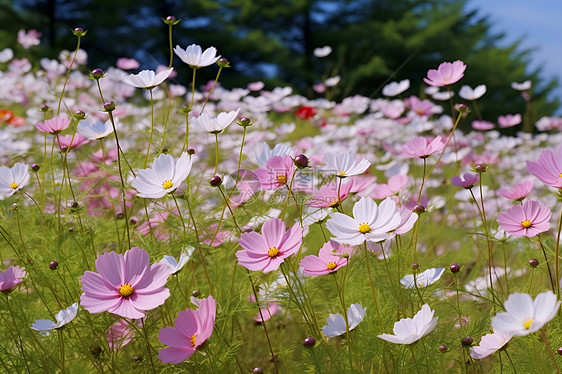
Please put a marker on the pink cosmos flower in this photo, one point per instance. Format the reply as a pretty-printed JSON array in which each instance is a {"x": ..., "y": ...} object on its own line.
[
  {"x": 276, "y": 174},
  {"x": 467, "y": 180},
  {"x": 266, "y": 251},
  {"x": 447, "y": 73},
  {"x": 125, "y": 63},
  {"x": 482, "y": 125},
  {"x": 71, "y": 141},
  {"x": 509, "y": 120},
  {"x": 11, "y": 278},
  {"x": 422, "y": 108},
  {"x": 193, "y": 328},
  {"x": 395, "y": 184},
  {"x": 120, "y": 334},
  {"x": 327, "y": 196},
  {"x": 267, "y": 309},
  {"x": 126, "y": 285},
  {"x": 325, "y": 263},
  {"x": 527, "y": 220},
  {"x": 54, "y": 125},
  {"x": 29, "y": 39},
  {"x": 407, "y": 221},
  {"x": 422, "y": 147},
  {"x": 518, "y": 192},
  {"x": 548, "y": 168}
]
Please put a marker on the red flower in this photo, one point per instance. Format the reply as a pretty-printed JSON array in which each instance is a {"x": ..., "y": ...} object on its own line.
[{"x": 305, "y": 112}]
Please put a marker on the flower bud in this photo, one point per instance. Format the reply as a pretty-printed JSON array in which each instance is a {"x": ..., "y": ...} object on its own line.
[
  {"x": 534, "y": 262},
  {"x": 95, "y": 350},
  {"x": 418, "y": 208},
  {"x": 443, "y": 348},
  {"x": 301, "y": 161},
  {"x": 79, "y": 114},
  {"x": 74, "y": 204},
  {"x": 109, "y": 106},
  {"x": 137, "y": 358},
  {"x": 467, "y": 341},
  {"x": 195, "y": 293},
  {"x": 185, "y": 110},
  {"x": 559, "y": 351},
  {"x": 79, "y": 32},
  {"x": 44, "y": 108},
  {"x": 133, "y": 220},
  {"x": 215, "y": 181},
  {"x": 223, "y": 63},
  {"x": 15, "y": 206},
  {"x": 462, "y": 108},
  {"x": 309, "y": 342},
  {"x": 53, "y": 265},
  {"x": 455, "y": 268},
  {"x": 97, "y": 74},
  {"x": 35, "y": 167},
  {"x": 171, "y": 20},
  {"x": 257, "y": 370},
  {"x": 190, "y": 151},
  {"x": 245, "y": 122},
  {"x": 415, "y": 266},
  {"x": 481, "y": 168}
]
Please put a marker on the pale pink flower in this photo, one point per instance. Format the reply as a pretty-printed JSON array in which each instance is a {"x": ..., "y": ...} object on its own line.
[
  {"x": 67, "y": 142},
  {"x": 54, "y": 125},
  {"x": 326, "y": 262},
  {"x": 11, "y": 278},
  {"x": 509, "y": 120},
  {"x": 447, "y": 73},
  {"x": 548, "y": 168},
  {"x": 527, "y": 220},
  {"x": 126, "y": 285},
  {"x": 482, "y": 125},
  {"x": 423, "y": 147},
  {"x": 327, "y": 196},
  {"x": 277, "y": 172},
  {"x": 125, "y": 63},
  {"x": 467, "y": 180},
  {"x": 517, "y": 192},
  {"x": 120, "y": 334},
  {"x": 395, "y": 184},
  {"x": 192, "y": 329},
  {"x": 266, "y": 251},
  {"x": 29, "y": 39}
]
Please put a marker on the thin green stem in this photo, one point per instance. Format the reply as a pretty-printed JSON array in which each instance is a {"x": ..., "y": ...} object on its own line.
[
  {"x": 547, "y": 264},
  {"x": 372, "y": 287},
  {"x": 557, "y": 255},
  {"x": 212, "y": 88},
  {"x": 151, "y": 127},
  {"x": 68, "y": 74}
]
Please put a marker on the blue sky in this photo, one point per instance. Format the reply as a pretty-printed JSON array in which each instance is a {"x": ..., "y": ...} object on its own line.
[{"x": 538, "y": 22}]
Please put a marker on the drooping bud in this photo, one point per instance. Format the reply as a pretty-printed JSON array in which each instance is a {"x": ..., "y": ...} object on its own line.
[
  {"x": 301, "y": 161},
  {"x": 215, "y": 181}
]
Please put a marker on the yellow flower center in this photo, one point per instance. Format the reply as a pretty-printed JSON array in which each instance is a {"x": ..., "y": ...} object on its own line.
[
  {"x": 126, "y": 290},
  {"x": 273, "y": 252},
  {"x": 527, "y": 323},
  {"x": 282, "y": 179},
  {"x": 13, "y": 185},
  {"x": 421, "y": 284},
  {"x": 560, "y": 175},
  {"x": 167, "y": 184},
  {"x": 342, "y": 173},
  {"x": 331, "y": 265},
  {"x": 192, "y": 339},
  {"x": 333, "y": 203},
  {"x": 364, "y": 228},
  {"x": 526, "y": 224}
]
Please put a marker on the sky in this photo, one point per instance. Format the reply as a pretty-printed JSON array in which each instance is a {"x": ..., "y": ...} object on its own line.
[{"x": 538, "y": 23}]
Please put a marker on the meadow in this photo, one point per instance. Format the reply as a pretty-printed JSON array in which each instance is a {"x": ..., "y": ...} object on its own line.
[{"x": 148, "y": 226}]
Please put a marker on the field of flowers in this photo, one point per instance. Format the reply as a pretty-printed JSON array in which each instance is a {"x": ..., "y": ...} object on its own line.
[{"x": 146, "y": 226}]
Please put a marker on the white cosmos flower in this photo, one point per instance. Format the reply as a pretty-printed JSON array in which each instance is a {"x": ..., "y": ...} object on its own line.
[
  {"x": 423, "y": 279},
  {"x": 165, "y": 176},
  {"x": 344, "y": 164},
  {"x": 468, "y": 93},
  {"x": 147, "y": 78},
  {"x": 489, "y": 344},
  {"x": 215, "y": 125},
  {"x": 523, "y": 316},
  {"x": 63, "y": 317},
  {"x": 410, "y": 330},
  {"x": 369, "y": 222},
  {"x": 333, "y": 81},
  {"x": 96, "y": 130},
  {"x": 523, "y": 86},
  {"x": 176, "y": 266},
  {"x": 195, "y": 57},
  {"x": 13, "y": 179},
  {"x": 336, "y": 323},
  {"x": 322, "y": 52},
  {"x": 261, "y": 152},
  {"x": 396, "y": 88}
]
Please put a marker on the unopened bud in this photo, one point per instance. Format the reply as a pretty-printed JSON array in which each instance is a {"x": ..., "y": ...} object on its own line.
[
  {"x": 79, "y": 32},
  {"x": 223, "y": 63},
  {"x": 97, "y": 74},
  {"x": 301, "y": 161}
]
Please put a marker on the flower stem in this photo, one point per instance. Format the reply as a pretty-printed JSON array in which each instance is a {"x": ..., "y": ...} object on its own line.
[
  {"x": 372, "y": 287},
  {"x": 151, "y": 127},
  {"x": 68, "y": 74},
  {"x": 557, "y": 258},
  {"x": 216, "y": 153},
  {"x": 212, "y": 88},
  {"x": 550, "y": 354},
  {"x": 547, "y": 264}
]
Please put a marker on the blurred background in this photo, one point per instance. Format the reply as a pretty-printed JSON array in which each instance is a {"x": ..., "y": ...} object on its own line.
[{"x": 373, "y": 41}]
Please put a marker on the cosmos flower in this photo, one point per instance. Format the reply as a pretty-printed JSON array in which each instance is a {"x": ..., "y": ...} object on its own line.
[
  {"x": 423, "y": 147},
  {"x": 336, "y": 323},
  {"x": 548, "y": 168},
  {"x": 395, "y": 184},
  {"x": 482, "y": 125},
  {"x": 11, "y": 278},
  {"x": 423, "y": 279},
  {"x": 396, "y": 88},
  {"x": 276, "y": 174},
  {"x": 215, "y": 125},
  {"x": 344, "y": 164},
  {"x": 165, "y": 176},
  {"x": 126, "y": 285},
  {"x": 147, "y": 78},
  {"x": 467, "y": 93},
  {"x": 62, "y": 318},
  {"x": 410, "y": 330},
  {"x": 266, "y": 251},
  {"x": 509, "y": 120},
  {"x": 523, "y": 316},
  {"x": 447, "y": 73},
  {"x": 176, "y": 266},
  {"x": 96, "y": 130},
  {"x": 489, "y": 344},
  {"x": 369, "y": 222},
  {"x": 523, "y": 86},
  {"x": 517, "y": 192},
  {"x": 121, "y": 333},
  {"x": 29, "y": 39},
  {"x": 67, "y": 142},
  {"x": 527, "y": 220},
  {"x": 467, "y": 180},
  {"x": 326, "y": 262},
  {"x": 322, "y": 52},
  {"x": 54, "y": 125},
  {"x": 125, "y": 63},
  {"x": 13, "y": 179},
  {"x": 327, "y": 196},
  {"x": 195, "y": 57},
  {"x": 192, "y": 329}
]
